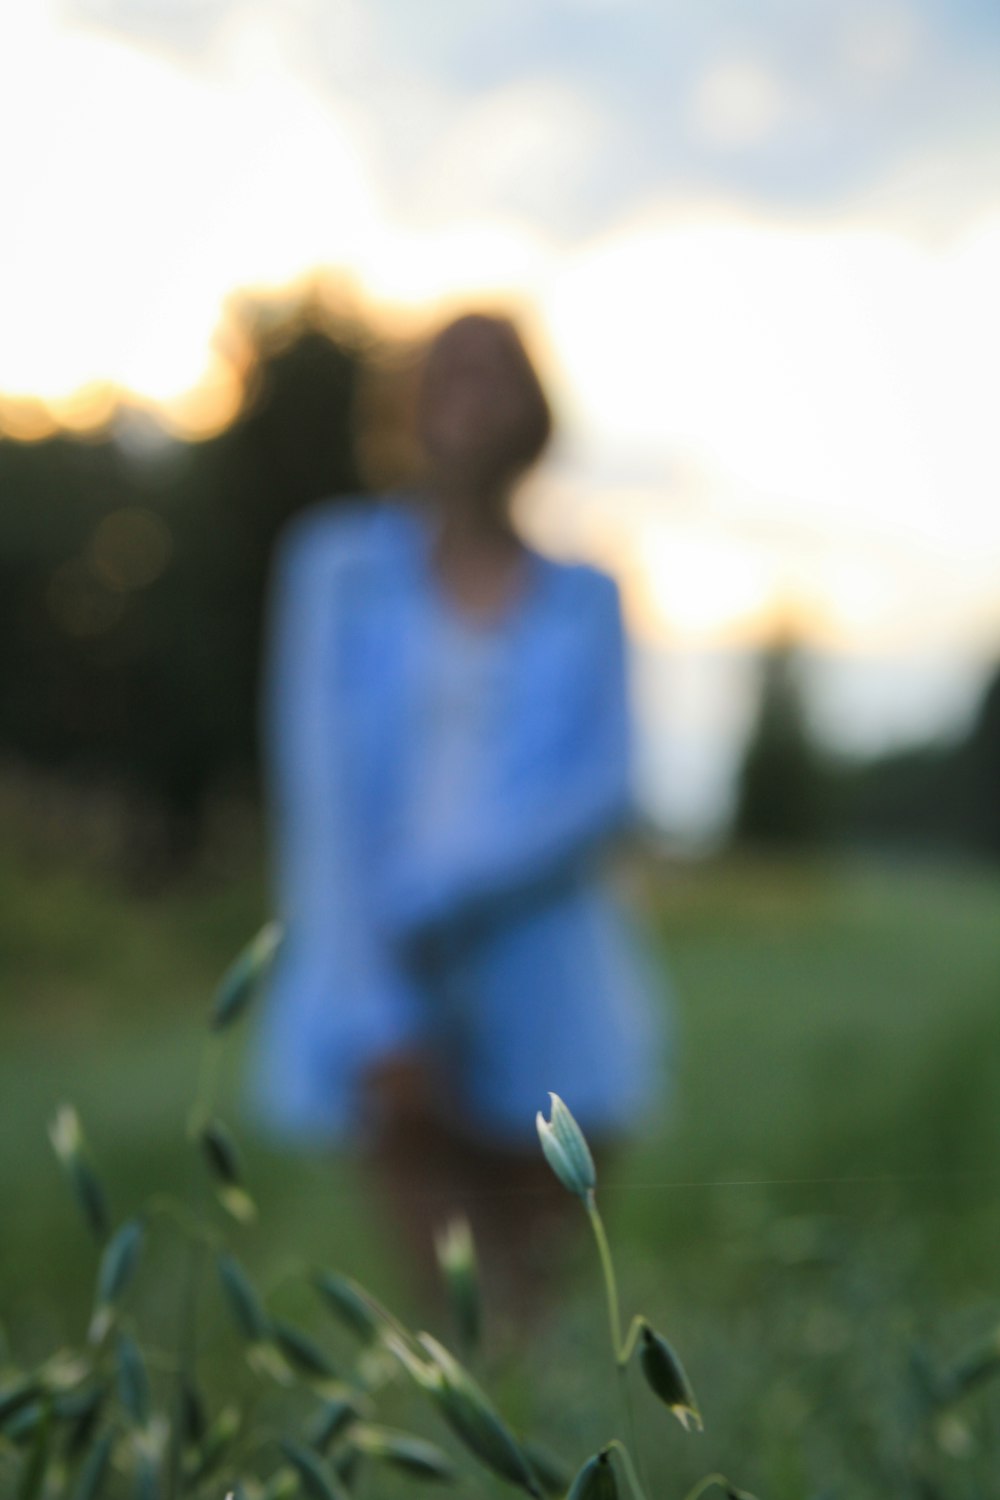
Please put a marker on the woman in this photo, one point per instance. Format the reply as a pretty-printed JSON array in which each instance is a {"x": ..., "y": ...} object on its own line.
[{"x": 448, "y": 747}]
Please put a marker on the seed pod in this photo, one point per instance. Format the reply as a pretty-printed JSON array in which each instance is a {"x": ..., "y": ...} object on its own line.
[
  {"x": 346, "y": 1465},
  {"x": 313, "y": 1473},
  {"x": 241, "y": 979},
  {"x": 413, "y": 1455},
  {"x": 94, "y": 1470},
  {"x": 238, "y": 1204},
  {"x": 14, "y": 1398},
  {"x": 266, "y": 1360},
  {"x": 244, "y": 1303},
  {"x": 36, "y": 1461},
  {"x": 456, "y": 1255},
  {"x": 566, "y": 1149},
  {"x": 66, "y": 1135},
  {"x": 349, "y": 1302},
  {"x": 596, "y": 1480},
  {"x": 473, "y": 1418},
  {"x": 21, "y": 1427},
  {"x": 133, "y": 1380},
  {"x": 147, "y": 1475},
  {"x": 221, "y": 1152},
  {"x": 666, "y": 1377},
  {"x": 334, "y": 1419},
  {"x": 81, "y": 1410},
  {"x": 191, "y": 1412},
  {"x": 301, "y": 1351},
  {"x": 219, "y": 1436},
  {"x": 63, "y": 1371},
  {"x": 281, "y": 1486},
  {"x": 117, "y": 1268}
]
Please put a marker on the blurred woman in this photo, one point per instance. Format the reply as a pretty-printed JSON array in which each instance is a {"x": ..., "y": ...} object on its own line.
[{"x": 447, "y": 735}]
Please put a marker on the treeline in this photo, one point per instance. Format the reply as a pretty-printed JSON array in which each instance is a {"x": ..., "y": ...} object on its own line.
[
  {"x": 132, "y": 584},
  {"x": 132, "y": 581},
  {"x": 794, "y": 794}
]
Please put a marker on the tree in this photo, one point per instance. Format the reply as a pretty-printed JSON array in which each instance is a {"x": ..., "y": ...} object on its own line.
[
  {"x": 783, "y": 788},
  {"x": 140, "y": 668}
]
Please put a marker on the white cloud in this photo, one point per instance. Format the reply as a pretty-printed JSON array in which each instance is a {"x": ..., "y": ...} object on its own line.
[
  {"x": 881, "y": 42},
  {"x": 738, "y": 104},
  {"x": 525, "y": 150},
  {"x": 846, "y": 370},
  {"x": 147, "y": 192}
]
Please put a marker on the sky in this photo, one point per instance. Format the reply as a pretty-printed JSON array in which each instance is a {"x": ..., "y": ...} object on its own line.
[{"x": 755, "y": 248}]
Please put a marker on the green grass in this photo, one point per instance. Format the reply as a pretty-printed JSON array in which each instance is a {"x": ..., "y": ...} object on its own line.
[{"x": 822, "y": 1192}]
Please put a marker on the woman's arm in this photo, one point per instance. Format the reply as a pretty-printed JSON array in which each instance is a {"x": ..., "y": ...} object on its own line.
[
  {"x": 570, "y": 792},
  {"x": 368, "y": 1007}
]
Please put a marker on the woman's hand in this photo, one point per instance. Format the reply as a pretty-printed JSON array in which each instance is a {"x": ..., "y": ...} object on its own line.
[{"x": 399, "y": 1090}]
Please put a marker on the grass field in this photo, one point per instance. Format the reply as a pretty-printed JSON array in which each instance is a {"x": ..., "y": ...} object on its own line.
[{"x": 822, "y": 1196}]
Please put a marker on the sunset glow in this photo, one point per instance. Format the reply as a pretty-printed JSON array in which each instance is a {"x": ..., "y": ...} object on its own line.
[{"x": 826, "y": 388}]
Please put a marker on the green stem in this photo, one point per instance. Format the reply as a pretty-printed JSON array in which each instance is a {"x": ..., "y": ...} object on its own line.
[
  {"x": 635, "y": 1328},
  {"x": 163, "y": 1206},
  {"x": 622, "y": 1351},
  {"x": 629, "y": 1467},
  {"x": 713, "y": 1479},
  {"x": 208, "y": 1080},
  {"x": 186, "y": 1357},
  {"x": 608, "y": 1269}
]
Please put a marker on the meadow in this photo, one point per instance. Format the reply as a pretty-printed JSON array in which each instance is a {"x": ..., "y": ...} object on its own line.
[{"x": 814, "y": 1220}]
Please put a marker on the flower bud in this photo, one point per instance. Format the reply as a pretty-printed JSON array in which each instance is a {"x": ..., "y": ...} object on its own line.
[
  {"x": 83, "y": 1416},
  {"x": 218, "y": 1438},
  {"x": 133, "y": 1380},
  {"x": 222, "y": 1157},
  {"x": 302, "y": 1352},
  {"x": 473, "y": 1418},
  {"x": 415, "y": 1456},
  {"x": 239, "y": 983},
  {"x": 16, "y": 1397},
  {"x": 315, "y": 1478},
  {"x": 66, "y": 1135},
  {"x": 94, "y": 1469},
  {"x": 666, "y": 1377},
  {"x": 117, "y": 1268},
  {"x": 337, "y": 1414},
  {"x": 596, "y": 1480},
  {"x": 349, "y": 1302},
  {"x": 221, "y": 1153},
  {"x": 456, "y": 1254},
  {"x": 191, "y": 1412},
  {"x": 284, "y": 1485},
  {"x": 244, "y": 1303},
  {"x": 566, "y": 1149}
]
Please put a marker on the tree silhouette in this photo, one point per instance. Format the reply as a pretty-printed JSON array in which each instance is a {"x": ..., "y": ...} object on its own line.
[
  {"x": 132, "y": 590},
  {"x": 782, "y": 786}
]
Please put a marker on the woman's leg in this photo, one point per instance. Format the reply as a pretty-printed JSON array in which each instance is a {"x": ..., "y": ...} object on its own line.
[{"x": 522, "y": 1218}]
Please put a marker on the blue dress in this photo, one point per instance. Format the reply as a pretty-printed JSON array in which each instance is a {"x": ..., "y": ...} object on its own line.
[{"x": 440, "y": 798}]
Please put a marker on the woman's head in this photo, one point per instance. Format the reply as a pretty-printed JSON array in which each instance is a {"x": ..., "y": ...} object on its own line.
[{"x": 482, "y": 415}]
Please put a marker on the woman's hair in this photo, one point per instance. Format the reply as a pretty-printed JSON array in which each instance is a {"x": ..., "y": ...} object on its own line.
[{"x": 535, "y": 431}]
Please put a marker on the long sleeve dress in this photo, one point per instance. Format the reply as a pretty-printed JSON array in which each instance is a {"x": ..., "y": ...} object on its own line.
[{"x": 440, "y": 796}]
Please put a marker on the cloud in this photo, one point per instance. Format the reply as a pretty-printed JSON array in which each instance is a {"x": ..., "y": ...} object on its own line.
[
  {"x": 525, "y": 151},
  {"x": 170, "y": 190},
  {"x": 775, "y": 103},
  {"x": 836, "y": 379},
  {"x": 736, "y": 104}
]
